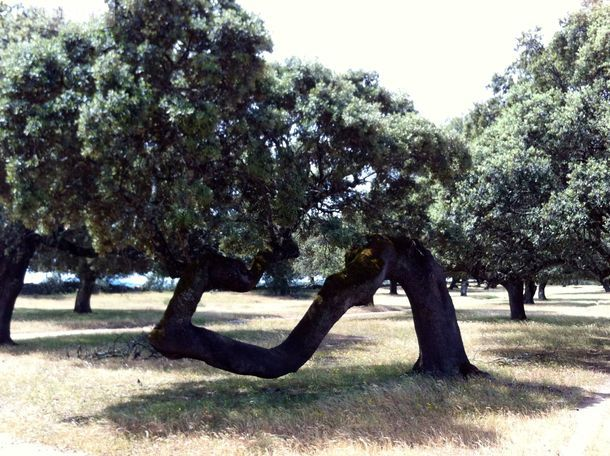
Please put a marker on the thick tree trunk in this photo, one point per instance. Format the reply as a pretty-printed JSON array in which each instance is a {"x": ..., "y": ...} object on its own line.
[
  {"x": 529, "y": 292},
  {"x": 606, "y": 284},
  {"x": 86, "y": 277},
  {"x": 441, "y": 348},
  {"x": 542, "y": 290},
  {"x": 464, "y": 287},
  {"x": 453, "y": 284},
  {"x": 16, "y": 250},
  {"x": 393, "y": 287},
  {"x": 515, "y": 299}
]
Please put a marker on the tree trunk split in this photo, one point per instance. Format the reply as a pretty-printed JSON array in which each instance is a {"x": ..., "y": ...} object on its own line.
[{"x": 413, "y": 267}]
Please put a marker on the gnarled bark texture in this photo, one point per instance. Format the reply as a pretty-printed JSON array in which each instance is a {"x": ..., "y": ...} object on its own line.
[
  {"x": 86, "y": 277},
  {"x": 407, "y": 262},
  {"x": 17, "y": 246},
  {"x": 514, "y": 288}
]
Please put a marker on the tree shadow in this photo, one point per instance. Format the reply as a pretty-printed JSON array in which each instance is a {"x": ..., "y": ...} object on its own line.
[
  {"x": 539, "y": 316},
  {"x": 568, "y": 302},
  {"x": 374, "y": 402},
  {"x": 118, "y": 351},
  {"x": 584, "y": 358},
  {"x": 100, "y": 318},
  {"x": 124, "y": 318}
]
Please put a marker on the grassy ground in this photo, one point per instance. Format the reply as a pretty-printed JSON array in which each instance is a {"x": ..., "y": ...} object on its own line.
[{"x": 355, "y": 396}]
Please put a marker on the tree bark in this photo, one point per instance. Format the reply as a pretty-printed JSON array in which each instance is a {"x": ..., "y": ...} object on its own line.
[
  {"x": 464, "y": 287},
  {"x": 606, "y": 284},
  {"x": 86, "y": 277},
  {"x": 529, "y": 292},
  {"x": 407, "y": 262},
  {"x": 542, "y": 290},
  {"x": 393, "y": 287},
  {"x": 515, "y": 299},
  {"x": 17, "y": 247},
  {"x": 441, "y": 350}
]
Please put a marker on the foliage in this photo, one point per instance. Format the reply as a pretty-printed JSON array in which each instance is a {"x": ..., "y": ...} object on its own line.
[
  {"x": 164, "y": 129},
  {"x": 535, "y": 195}
]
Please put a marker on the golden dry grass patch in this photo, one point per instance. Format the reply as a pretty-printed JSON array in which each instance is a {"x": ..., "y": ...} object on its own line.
[{"x": 354, "y": 397}]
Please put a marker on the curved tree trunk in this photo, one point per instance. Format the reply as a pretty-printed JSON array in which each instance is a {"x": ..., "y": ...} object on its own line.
[
  {"x": 17, "y": 247},
  {"x": 606, "y": 284},
  {"x": 86, "y": 277},
  {"x": 542, "y": 290},
  {"x": 529, "y": 292},
  {"x": 393, "y": 287},
  {"x": 515, "y": 299},
  {"x": 441, "y": 348},
  {"x": 464, "y": 287}
]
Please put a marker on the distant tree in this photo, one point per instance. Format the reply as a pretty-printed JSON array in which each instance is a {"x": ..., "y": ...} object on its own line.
[
  {"x": 545, "y": 128},
  {"x": 88, "y": 269}
]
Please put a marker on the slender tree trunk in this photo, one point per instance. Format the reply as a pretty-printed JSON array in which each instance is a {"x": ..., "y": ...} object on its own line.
[
  {"x": 542, "y": 290},
  {"x": 606, "y": 284},
  {"x": 453, "y": 284},
  {"x": 464, "y": 287},
  {"x": 529, "y": 292},
  {"x": 515, "y": 299},
  {"x": 393, "y": 287},
  {"x": 86, "y": 277},
  {"x": 16, "y": 250},
  {"x": 441, "y": 348}
]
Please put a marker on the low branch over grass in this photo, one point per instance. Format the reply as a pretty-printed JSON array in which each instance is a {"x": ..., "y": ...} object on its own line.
[{"x": 404, "y": 260}]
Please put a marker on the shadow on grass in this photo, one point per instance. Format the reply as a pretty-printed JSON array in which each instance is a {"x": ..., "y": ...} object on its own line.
[
  {"x": 534, "y": 316},
  {"x": 583, "y": 358},
  {"x": 119, "y": 318},
  {"x": 568, "y": 302},
  {"x": 375, "y": 403},
  {"x": 100, "y": 318},
  {"x": 118, "y": 351}
]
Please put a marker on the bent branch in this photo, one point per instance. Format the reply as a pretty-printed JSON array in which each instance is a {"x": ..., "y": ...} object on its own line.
[{"x": 441, "y": 354}]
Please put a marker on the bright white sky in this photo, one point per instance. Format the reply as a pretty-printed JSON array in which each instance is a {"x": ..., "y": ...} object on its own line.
[{"x": 442, "y": 53}]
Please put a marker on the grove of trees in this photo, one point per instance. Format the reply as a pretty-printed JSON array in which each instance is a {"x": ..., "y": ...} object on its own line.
[{"x": 159, "y": 131}]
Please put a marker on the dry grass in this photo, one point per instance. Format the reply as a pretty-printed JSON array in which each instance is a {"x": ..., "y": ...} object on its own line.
[{"x": 355, "y": 396}]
